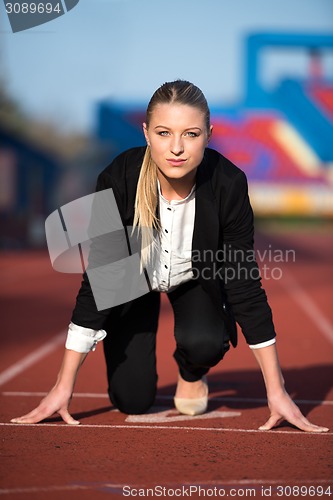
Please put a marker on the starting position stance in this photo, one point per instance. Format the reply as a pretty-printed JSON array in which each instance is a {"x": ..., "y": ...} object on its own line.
[{"x": 196, "y": 202}]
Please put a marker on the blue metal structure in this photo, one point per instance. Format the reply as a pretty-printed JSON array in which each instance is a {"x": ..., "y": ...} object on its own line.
[{"x": 256, "y": 95}]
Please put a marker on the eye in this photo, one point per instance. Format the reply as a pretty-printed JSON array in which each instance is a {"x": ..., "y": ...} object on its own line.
[
  {"x": 163, "y": 133},
  {"x": 192, "y": 134}
]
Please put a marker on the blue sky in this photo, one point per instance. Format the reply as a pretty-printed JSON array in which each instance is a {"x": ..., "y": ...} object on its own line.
[{"x": 124, "y": 49}]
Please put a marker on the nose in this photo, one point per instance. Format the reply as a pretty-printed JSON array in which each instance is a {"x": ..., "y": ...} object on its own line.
[{"x": 177, "y": 146}]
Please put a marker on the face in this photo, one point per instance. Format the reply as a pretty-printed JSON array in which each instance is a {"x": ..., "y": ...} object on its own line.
[{"x": 177, "y": 135}]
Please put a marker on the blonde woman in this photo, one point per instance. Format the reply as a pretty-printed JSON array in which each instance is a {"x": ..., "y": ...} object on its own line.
[{"x": 196, "y": 202}]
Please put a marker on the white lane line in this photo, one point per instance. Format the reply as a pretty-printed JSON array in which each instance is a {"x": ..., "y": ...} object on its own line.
[
  {"x": 32, "y": 358},
  {"x": 42, "y": 394},
  {"x": 202, "y": 484},
  {"x": 222, "y": 399},
  {"x": 308, "y": 305},
  {"x": 163, "y": 427},
  {"x": 44, "y": 489}
]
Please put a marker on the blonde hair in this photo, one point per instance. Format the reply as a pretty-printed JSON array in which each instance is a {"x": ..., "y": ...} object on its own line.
[
  {"x": 145, "y": 207},
  {"x": 146, "y": 201}
]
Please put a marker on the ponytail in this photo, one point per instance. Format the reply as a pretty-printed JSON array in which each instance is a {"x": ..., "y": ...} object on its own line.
[{"x": 145, "y": 206}]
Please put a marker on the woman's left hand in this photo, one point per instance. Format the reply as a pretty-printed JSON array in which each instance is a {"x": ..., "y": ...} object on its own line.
[{"x": 283, "y": 408}]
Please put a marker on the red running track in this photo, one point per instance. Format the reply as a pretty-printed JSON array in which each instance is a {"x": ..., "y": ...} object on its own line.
[{"x": 116, "y": 455}]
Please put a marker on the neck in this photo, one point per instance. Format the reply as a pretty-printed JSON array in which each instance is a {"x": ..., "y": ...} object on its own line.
[{"x": 176, "y": 189}]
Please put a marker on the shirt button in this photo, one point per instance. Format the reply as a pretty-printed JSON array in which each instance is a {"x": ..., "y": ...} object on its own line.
[
  {"x": 166, "y": 231},
  {"x": 169, "y": 208},
  {"x": 166, "y": 267},
  {"x": 167, "y": 251}
]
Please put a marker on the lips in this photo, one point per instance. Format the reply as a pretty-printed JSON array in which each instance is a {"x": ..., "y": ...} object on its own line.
[{"x": 176, "y": 162}]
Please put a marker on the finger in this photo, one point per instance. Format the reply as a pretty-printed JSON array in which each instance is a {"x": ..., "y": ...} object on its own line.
[
  {"x": 27, "y": 420},
  {"x": 301, "y": 422},
  {"x": 32, "y": 417},
  {"x": 273, "y": 421},
  {"x": 65, "y": 415},
  {"x": 313, "y": 428},
  {"x": 305, "y": 425},
  {"x": 38, "y": 414},
  {"x": 35, "y": 419}
]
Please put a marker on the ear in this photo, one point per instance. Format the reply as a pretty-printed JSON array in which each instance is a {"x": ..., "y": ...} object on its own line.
[
  {"x": 145, "y": 131},
  {"x": 210, "y": 134}
]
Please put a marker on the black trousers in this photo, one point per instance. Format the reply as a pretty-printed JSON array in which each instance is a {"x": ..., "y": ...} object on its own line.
[{"x": 129, "y": 347}]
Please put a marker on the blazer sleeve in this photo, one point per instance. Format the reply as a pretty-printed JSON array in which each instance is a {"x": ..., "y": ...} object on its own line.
[
  {"x": 85, "y": 312},
  {"x": 241, "y": 275}
]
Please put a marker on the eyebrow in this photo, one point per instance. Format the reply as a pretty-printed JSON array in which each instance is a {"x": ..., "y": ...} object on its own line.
[{"x": 168, "y": 128}]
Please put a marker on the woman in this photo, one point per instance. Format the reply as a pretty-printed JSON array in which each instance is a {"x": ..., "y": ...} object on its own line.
[{"x": 196, "y": 201}]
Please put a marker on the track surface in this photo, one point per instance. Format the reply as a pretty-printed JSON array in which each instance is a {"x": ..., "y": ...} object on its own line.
[{"x": 220, "y": 452}]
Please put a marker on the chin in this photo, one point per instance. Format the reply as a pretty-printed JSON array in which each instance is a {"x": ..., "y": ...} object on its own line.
[{"x": 178, "y": 172}]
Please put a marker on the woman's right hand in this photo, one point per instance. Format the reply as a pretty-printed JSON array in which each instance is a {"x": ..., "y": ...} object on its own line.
[
  {"x": 56, "y": 401},
  {"x": 59, "y": 397}
]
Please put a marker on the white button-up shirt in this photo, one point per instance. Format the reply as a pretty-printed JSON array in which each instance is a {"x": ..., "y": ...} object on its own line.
[{"x": 173, "y": 262}]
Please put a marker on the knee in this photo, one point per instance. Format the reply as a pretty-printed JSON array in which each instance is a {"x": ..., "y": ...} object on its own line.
[
  {"x": 133, "y": 403},
  {"x": 205, "y": 351}
]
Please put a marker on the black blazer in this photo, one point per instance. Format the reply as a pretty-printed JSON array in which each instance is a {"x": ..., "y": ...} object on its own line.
[{"x": 222, "y": 246}]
